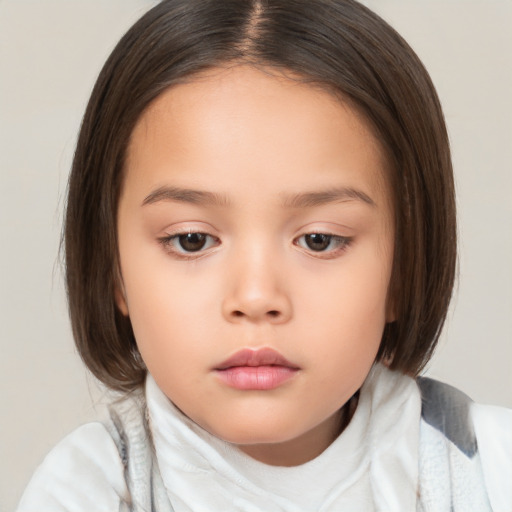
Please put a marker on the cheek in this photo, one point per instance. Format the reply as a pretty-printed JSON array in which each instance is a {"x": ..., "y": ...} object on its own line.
[
  {"x": 170, "y": 304},
  {"x": 159, "y": 308},
  {"x": 356, "y": 290},
  {"x": 348, "y": 307}
]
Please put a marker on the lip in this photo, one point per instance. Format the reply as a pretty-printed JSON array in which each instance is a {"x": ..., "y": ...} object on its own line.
[
  {"x": 262, "y": 369},
  {"x": 253, "y": 358}
]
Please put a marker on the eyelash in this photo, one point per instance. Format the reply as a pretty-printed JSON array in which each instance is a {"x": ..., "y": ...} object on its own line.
[{"x": 169, "y": 243}]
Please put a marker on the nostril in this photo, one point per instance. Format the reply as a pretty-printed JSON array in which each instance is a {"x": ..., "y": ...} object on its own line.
[
  {"x": 273, "y": 313},
  {"x": 238, "y": 313}
]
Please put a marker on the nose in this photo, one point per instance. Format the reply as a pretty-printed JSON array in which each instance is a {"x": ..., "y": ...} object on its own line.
[{"x": 256, "y": 290}]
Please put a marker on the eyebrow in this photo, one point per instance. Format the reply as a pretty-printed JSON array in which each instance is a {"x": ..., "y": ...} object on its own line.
[
  {"x": 185, "y": 195},
  {"x": 300, "y": 200},
  {"x": 336, "y": 195}
]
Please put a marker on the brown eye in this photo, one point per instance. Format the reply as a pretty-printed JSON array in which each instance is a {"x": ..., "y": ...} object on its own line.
[
  {"x": 189, "y": 245},
  {"x": 324, "y": 244},
  {"x": 192, "y": 242},
  {"x": 318, "y": 241}
]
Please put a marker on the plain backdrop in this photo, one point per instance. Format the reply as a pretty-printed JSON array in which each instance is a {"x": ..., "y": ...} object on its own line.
[{"x": 50, "y": 54}]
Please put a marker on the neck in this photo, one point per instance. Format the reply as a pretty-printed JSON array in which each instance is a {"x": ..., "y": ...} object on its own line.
[{"x": 306, "y": 447}]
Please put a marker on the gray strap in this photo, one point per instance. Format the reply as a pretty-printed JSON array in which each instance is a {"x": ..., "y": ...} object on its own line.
[
  {"x": 128, "y": 427},
  {"x": 447, "y": 409},
  {"x": 450, "y": 471}
]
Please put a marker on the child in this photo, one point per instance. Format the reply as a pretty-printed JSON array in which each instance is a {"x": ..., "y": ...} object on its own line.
[{"x": 260, "y": 249}]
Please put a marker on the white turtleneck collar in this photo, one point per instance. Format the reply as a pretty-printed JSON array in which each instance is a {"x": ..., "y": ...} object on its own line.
[{"x": 372, "y": 465}]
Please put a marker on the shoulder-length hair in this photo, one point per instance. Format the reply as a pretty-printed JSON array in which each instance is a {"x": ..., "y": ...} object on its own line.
[{"x": 338, "y": 44}]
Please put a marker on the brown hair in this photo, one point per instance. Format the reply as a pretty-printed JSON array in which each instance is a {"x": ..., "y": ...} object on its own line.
[{"x": 338, "y": 44}]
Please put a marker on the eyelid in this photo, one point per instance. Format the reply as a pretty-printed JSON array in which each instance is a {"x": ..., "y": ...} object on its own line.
[{"x": 185, "y": 228}]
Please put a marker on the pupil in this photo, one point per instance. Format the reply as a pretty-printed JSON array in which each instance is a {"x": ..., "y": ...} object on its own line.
[
  {"x": 192, "y": 242},
  {"x": 318, "y": 241}
]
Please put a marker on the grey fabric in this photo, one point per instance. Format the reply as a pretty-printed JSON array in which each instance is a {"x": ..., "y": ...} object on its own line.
[
  {"x": 449, "y": 481},
  {"x": 447, "y": 409},
  {"x": 451, "y": 477},
  {"x": 127, "y": 423}
]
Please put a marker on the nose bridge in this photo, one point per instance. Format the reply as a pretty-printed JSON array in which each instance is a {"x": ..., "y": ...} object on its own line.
[{"x": 257, "y": 287}]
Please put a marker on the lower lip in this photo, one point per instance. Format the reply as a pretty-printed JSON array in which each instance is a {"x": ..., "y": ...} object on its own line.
[{"x": 260, "y": 378}]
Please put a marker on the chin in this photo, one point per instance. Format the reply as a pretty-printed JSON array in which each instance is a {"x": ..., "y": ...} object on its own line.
[{"x": 246, "y": 433}]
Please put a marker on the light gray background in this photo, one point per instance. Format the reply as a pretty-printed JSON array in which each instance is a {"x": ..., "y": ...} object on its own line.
[{"x": 50, "y": 54}]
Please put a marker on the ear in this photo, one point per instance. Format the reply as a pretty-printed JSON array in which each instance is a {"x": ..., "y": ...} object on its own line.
[
  {"x": 120, "y": 298},
  {"x": 391, "y": 315}
]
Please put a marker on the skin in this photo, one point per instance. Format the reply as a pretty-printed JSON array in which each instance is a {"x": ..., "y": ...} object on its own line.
[{"x": 256, "y": 139}]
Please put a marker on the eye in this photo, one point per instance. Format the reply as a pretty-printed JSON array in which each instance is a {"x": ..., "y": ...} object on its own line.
[
  {"x": 186, "y": 243},
  {"x": 322, "y": 242},
  {"x": 192, "y": 242},
  {"x": 317, "y": 241}
]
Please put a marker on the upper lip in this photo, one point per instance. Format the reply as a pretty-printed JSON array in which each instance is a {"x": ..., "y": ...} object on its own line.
[{"x": 260, "y": 357}]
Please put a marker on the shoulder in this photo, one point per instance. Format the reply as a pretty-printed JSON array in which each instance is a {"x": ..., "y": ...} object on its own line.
[
  {"x": 470, "y": 426},
  {"x": 447, "y": 410},
  {"x": 495, "y": 423},
  {"x": 475, "y": 440},
  {"x": 82, "y": 472},
  {"x": 493, "y": 429}
]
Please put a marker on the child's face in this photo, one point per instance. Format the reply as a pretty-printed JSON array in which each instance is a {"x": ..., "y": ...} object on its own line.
[{"x": 255, "y": 214}]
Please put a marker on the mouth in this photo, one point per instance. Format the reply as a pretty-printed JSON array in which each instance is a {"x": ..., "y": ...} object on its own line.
[{"x": 263, "y": 369}]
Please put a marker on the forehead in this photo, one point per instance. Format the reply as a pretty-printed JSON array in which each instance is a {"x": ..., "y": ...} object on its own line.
[{"x": 261, "y": 125}]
